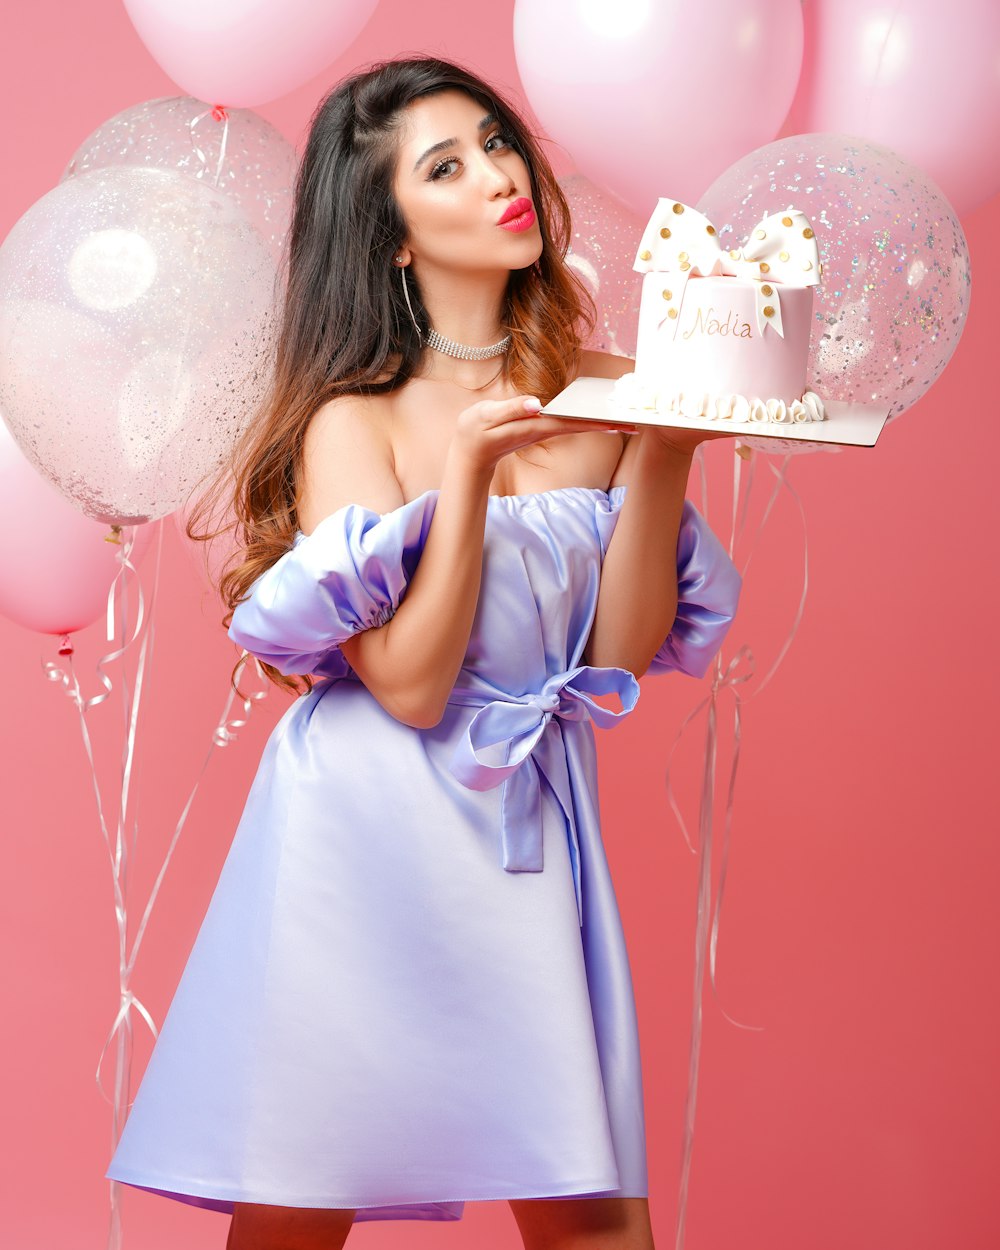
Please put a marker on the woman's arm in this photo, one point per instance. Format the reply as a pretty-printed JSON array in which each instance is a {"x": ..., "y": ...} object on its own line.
[
  {"x": 410, "y": 664},
  {"x": 637, "y": 600}
]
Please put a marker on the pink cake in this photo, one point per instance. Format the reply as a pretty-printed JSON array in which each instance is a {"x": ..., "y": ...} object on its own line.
[{"x": 724, "y": 335}]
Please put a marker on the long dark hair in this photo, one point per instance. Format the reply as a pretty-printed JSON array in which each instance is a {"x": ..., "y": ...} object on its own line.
[{"x": 344, "y": 325}]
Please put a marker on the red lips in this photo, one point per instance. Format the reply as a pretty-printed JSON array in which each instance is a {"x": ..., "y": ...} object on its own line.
[{"x": 519, "y": 206}]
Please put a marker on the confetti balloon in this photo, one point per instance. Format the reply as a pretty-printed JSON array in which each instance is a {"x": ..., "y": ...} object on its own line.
[
  {"x": 601, "y": 252},
  {"x": 233, "y": 150},
  {"x": 896, "y": 276},
  {"x": 135, "y": 314}
]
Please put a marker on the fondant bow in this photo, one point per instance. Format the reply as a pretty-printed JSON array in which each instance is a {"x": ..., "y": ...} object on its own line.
[
  {"x": 680, "y": 241},
  {"x": 509, "y": 728}
]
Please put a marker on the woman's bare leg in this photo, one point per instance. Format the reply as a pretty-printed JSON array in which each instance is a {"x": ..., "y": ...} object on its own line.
[
  {"x": 583, "y": 1223},
  {"x": 256, "y": 1226}
]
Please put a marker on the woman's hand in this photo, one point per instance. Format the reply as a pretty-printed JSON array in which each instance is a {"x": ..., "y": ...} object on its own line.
[
  {"x": 489, "y": 430},
  {"x": 682, "y": 441}
]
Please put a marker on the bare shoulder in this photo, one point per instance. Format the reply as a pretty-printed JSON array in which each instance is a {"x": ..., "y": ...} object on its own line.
[
  {"x": 346, "y": 458},
  {"x": 604, "y": 365}
]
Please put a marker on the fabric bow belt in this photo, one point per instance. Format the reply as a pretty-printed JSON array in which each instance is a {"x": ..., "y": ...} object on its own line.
[{"x": 498, "y": 749}]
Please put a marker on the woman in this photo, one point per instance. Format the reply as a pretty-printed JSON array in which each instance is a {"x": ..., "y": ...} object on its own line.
[{"x": 411, "y": 987}]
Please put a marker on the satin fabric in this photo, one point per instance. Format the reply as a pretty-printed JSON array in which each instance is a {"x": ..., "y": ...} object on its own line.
[{"x": 411, "y": 987}]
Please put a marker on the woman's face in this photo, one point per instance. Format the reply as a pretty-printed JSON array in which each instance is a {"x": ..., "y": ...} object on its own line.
[{"x": 456, "y": 177}]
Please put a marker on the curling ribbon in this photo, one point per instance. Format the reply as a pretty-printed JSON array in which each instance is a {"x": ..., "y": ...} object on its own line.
[
  {"x": 218, "y": 113},
  {"x": 679, "y": 241},
  {"x": 738, "y": 671},
  {"x": 224, "y": 733}
]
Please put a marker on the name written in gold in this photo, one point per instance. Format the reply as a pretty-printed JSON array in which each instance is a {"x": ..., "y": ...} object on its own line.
[{"x": 706, "y": 322}]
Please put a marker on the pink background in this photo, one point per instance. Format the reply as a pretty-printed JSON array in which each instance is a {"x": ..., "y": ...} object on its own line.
[{"x": 859, "y": 929}]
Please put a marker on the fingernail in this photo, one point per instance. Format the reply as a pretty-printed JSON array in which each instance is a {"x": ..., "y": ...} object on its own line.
[{"x": 531, "y": 404}]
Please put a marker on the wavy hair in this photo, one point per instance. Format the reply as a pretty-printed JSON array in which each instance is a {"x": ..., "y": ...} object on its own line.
[{"x": 342, "y": 325}]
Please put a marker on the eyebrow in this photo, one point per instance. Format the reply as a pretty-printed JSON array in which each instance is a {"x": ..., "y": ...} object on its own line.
[{"x": 488, "y": 120}]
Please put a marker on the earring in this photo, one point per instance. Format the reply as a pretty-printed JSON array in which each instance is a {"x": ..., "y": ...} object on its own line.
[{"x": 406, "y": 296}]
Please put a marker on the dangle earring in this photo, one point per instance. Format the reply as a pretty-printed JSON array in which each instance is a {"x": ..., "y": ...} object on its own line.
[{"x": 406, "y": 296}]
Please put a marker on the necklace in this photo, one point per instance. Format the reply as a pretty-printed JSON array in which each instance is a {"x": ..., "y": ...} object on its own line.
[
  {"x": 448, "y": 346},
  {"x": 461, "y": 352}
]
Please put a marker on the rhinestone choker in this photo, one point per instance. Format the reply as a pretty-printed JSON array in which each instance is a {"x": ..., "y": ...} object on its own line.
[
  {"x": 449, "y": 346},
  {"x": 461, "y": 352}
]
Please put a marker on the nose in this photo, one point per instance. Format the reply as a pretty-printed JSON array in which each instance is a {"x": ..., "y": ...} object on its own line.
[{"x": 498, "y": 180}]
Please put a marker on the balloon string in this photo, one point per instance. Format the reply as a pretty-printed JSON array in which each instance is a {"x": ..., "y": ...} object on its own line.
[
  {"x": 120, "y": 855},
  {"x": 739, "y": 670},
  {"x": 222, "y": 142},
  {"x": 218, "y": 113},
  {"x": 222, "y": 735},
  {"x": 783, "y": 482}
]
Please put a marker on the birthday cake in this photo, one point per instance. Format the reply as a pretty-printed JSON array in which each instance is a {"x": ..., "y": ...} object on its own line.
[{"x": 724, "y": 335}]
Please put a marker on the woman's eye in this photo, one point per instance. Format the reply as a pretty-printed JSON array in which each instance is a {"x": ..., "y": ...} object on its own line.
[
  {"x": 442, "y": 166},
  {"x": 502, "y": 138}
]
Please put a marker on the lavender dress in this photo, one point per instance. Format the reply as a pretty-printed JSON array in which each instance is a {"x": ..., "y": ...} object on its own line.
[{"x": 411, "y": 987}]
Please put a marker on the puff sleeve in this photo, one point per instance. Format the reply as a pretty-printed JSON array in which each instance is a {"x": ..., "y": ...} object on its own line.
[
  {"x": 708, "y": 590},
  {"x": 348, "y": 575}
]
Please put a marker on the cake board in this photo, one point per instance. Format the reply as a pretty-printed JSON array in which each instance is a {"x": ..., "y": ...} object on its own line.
[{"x": 847, "y": 424}]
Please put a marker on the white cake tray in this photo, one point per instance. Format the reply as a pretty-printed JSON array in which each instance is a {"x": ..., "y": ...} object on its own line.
[{"x": 848, "y": 425}]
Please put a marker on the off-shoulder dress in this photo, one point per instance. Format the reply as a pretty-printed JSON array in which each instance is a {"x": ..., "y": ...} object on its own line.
[{"x": 411, "y": 987}]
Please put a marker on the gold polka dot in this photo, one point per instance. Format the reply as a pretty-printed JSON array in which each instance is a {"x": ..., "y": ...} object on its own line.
[
  {"x": 768, "y": 310},
  {"x": 807, "y": 265},
  {"x": 767, "y": 290},
  {"x": 686, "y": 266},
  {"x": 645, "y": 255},
  {"x": 672, "y": 313},
  {"x": 765, "y": 267},
  {"x": 734, "y": 253},
  {"x": 665, "y": 232},
  {"x": 760, "y": 234},
  {"x": 786, "y": 221},
  {"x": 683, "y": 256},
  {"x": 678, "y": 208},
  {"x": 807, "y": 233},
  {"x": 710, "y": 229},
  {"x": 668, "y": 295},
  {"x": 783, "y": 256}
]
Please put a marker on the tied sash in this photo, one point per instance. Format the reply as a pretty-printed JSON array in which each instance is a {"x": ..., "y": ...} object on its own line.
[{"x": 498, "y": 749}]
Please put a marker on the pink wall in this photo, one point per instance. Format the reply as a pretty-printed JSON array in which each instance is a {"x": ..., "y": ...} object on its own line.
[{"x": 859, "y": 927}]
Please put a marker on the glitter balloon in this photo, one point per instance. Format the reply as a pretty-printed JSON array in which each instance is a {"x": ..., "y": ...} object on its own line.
[
  {"x": 233, "y": 150},
  {"x": 136, "y": 307},
  {"x": 896, "y": 272},
  {"x": 602, "y": 251}
]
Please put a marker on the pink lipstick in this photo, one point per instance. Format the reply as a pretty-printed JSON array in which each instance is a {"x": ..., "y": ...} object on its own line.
[{"x": 519, "y": 216}]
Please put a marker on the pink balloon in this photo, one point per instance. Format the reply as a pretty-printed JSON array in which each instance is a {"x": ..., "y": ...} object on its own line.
[
  {"x": 238, "y": 54},
  {"x": 658, "y": 98},
  {"x": 918, "y": 76},
  {"x": 55, "y": 567}
]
